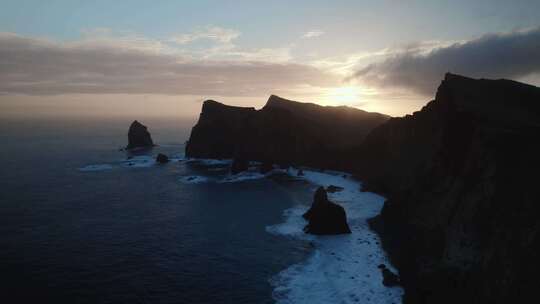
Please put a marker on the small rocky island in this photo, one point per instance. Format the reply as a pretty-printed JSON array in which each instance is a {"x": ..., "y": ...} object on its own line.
[
  {"x": 138, "y": 136},
  {"x": 325, "y": 217}
]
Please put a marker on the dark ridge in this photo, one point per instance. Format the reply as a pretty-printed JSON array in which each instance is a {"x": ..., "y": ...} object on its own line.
[
  {"x": 282, "y": 132},
  {"x": 461, "y": 222},
  {"x": 462, "y": 219}
]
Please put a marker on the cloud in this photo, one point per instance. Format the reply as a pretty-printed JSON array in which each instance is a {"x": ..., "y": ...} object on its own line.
[
  {"x": 136, "y": 65},
  {"x": 313, "y": 34},
  {"x": 501, "y": 55},
  {"x": 210, "y": 32}
]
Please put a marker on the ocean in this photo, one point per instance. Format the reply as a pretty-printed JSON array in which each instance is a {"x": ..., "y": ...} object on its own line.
[{"x": 84, "y": 222}]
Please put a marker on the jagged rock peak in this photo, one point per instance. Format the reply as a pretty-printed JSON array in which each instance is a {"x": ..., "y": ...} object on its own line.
[
  {"x": 502, "y": 100},
  {"x": 276, "y": 101},
  {"x": 214, "y": 106}
]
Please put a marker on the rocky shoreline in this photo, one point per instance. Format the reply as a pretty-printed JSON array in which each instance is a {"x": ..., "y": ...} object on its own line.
[{"x": 461, "y": 219}]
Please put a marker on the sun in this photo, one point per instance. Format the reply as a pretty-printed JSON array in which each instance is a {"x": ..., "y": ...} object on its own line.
[{"x": 343, "y": 95}]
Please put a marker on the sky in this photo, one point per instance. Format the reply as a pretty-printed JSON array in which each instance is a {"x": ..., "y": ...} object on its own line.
[{"x": 163, "y": 58}]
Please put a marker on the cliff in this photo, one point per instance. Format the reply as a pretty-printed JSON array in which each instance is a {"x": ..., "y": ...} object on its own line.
[
  {"x": 283, "y": 131},
  {"x": 462, "y": 219},
  {"x": 461, "y": 222}
]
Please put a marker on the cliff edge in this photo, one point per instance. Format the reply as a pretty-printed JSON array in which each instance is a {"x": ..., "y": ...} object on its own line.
[{"x": 462, "y": 219}]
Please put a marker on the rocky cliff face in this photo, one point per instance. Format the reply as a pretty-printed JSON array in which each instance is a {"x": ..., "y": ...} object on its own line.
[
  {"x": 462, "y": 222},
  {"x": 283, "y": 131}
]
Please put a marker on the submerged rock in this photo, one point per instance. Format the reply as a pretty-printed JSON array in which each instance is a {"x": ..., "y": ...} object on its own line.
[
  {"x": 162, "y": 158},
  {"x": 239, "y": 165},
  {"x": 325, "y": 217},
  {"x": 138, "y": 136},
  {"x": 390, "y": 279}
]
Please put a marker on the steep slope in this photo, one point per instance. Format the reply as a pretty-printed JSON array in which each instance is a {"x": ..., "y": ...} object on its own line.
[
  {"x": 283, "y": 131},
  {"x": 462, "y": 220}
]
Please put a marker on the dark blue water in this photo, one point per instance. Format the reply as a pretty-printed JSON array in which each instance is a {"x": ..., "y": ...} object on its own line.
[{"x": 129, "y": 235}]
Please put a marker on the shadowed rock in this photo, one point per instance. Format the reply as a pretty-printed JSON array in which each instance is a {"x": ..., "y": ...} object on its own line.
[
  {"x": 333, "y": 189},
  {"x": 390, "y": 279},
  {"x": 266, "y": 167},
  {"x": 325, "y": 217},
  {"x": 138, "y": 136},
  {"x": 162, "y": 158},
  {"x": 285, "y": 131},
  {"x": 461, "y": 222},
  {"x": 239, "y": 165}
]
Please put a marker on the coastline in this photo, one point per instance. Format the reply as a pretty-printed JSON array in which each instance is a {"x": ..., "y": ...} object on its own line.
[{"x": 341, "y": 268}]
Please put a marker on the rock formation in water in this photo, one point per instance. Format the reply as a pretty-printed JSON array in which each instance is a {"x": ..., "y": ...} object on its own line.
[
  {"x": 325, "y": 217},
  {"x": 162, "y": 158},
  {"x": 138, "y": 136},
  {"x": 462, "y": 222},
  {"x": 283, "y": 132}
]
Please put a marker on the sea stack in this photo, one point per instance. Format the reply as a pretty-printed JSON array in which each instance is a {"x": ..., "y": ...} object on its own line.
[
  {"x": 325, "y": 217},
  {"x": 138, "y": 136}
]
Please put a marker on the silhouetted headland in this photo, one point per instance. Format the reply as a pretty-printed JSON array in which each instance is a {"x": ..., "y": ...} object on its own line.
[
  {"x": 461, "y": 219},
  {"x": 282, "y": 132}
]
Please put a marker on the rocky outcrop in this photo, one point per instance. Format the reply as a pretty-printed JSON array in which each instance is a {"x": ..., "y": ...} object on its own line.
[
  {"x": 333, "y": 189},
  {"x": 138, "y": 136},
  {"x": 390, "y": 279},
  {"x": 283, "y": 132},
  {"x": 162, "y": 158},
  {"x": 266, "y": 167},
  {"x": 239, "y": 165},
  {"x": 325, "y": 217},
  {"x": 462, "y": 219}
]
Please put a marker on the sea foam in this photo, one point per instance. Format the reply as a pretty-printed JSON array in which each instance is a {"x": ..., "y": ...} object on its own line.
[
  {"x": 342, "y": 268},
  {"x": 97, "y": 167},
  {"x": 194, "y": 179}
]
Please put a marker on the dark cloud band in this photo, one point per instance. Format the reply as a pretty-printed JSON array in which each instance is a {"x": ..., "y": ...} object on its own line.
[
  {"x": 40, "y": 67},
  {"x": 508, "y": 55}
]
